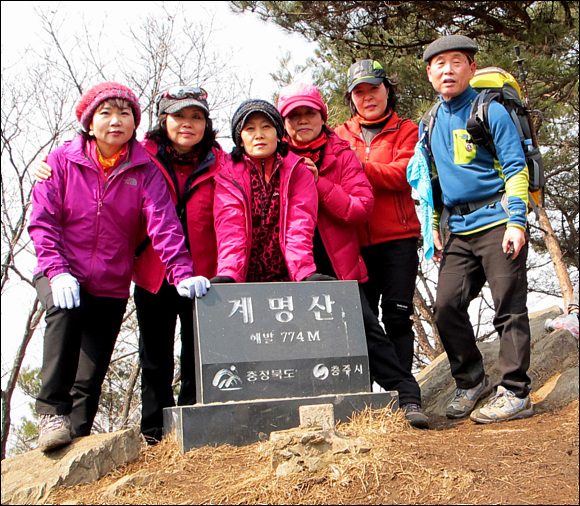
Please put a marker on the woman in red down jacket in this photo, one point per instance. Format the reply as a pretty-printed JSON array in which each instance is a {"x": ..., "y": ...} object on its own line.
[
  {"x": 345, "y": 202},
  {"x": 183, "y": 147}
]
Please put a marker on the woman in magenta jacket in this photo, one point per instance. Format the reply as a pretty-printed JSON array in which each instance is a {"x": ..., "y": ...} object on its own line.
[
  {"x": 345, "y": 202},
  {"x": 265, "y": 203},
  {"x": 84, "y": 225},
  {"x": 183, "y": 147}
]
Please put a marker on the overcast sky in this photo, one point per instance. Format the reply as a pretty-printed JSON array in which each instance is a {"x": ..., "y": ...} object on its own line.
[{"x": 259, "y": 44}]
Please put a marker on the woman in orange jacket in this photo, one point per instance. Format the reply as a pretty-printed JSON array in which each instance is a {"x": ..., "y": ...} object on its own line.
[{"x": 384, "y": 144}]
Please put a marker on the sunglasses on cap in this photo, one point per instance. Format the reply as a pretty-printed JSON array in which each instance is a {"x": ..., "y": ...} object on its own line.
[{"x": 181, "y": 92}]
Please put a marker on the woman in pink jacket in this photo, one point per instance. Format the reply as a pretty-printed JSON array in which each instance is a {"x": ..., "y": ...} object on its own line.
[
  {"x": 85, "y": 224},
  {"x": 265, "y": 203},
  {"x": 345, "y": 201}
]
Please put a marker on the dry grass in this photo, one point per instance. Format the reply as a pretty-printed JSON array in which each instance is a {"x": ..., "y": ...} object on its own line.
[{"x": 533, "y": 461}]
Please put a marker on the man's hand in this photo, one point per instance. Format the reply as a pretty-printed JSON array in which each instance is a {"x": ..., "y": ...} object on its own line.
[
  {"x": 438, "y": 253},
  {"x": 514, "y": 239}
]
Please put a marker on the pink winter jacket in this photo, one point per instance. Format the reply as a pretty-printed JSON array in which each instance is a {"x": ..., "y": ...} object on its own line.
[
  {"x": 345, "y": 201},
  {"x": 149, "y": 271},
  {"x": 233, "y": 220},
  {"x": 89, "y": 229}
]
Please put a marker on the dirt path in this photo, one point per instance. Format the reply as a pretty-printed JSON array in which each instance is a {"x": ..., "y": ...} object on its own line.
[{"x": 532, "y": 461}]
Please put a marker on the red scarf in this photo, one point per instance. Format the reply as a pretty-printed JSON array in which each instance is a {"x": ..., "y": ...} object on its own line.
[
  {"x": 367, "y": 122},
  {"x": 311, "y": 150}
]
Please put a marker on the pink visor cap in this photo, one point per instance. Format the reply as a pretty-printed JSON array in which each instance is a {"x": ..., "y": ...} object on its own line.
[{"x": 298, "y": 94}]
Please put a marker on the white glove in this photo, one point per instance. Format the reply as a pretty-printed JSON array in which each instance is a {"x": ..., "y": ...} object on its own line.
[
  {"x": 65, "y": 291},
  {"x": 197, "y": 286}
]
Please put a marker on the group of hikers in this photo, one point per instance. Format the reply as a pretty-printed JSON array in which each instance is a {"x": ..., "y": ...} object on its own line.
[{"x": 295, "y": 200}]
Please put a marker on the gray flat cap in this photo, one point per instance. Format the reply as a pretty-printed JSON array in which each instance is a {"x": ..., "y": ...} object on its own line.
[{"x": 450, "y": 43}]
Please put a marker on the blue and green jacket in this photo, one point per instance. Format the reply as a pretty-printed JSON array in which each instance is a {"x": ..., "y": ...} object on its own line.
[{"x": 468, "y": 173}]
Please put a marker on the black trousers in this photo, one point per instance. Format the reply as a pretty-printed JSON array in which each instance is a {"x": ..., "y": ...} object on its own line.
[
  {"x": 392, "y": 267},
  {"x": 468, "y": 261},
  {"x": 78, "y": 345},
  {"x": 157, "y": 315},
  {"x": 384, "y": 364}
]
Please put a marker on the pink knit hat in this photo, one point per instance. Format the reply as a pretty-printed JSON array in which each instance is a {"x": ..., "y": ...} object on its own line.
[
  {"x": 297, "y": 94},
  {"x": 92, "y": 98}
]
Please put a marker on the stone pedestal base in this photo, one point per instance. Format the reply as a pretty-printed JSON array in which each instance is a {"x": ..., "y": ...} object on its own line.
[{"x": 240, "y": 423}]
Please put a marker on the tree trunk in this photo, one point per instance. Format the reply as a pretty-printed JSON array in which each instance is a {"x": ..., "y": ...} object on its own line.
[
  {"x": 556, "y": 255},
  {"x": 33, "y": 318}
]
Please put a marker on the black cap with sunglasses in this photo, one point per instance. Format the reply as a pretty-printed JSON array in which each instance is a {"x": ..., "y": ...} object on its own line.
[{"x": 176, "y": 98}]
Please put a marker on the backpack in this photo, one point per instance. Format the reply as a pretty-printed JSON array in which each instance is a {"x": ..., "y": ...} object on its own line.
[{"x": 494, "y": 83}]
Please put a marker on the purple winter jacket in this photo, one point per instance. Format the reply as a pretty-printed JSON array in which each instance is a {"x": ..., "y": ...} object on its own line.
[
  {"x": 89, "y": 229},
  {"x": 233, "y": 217}
]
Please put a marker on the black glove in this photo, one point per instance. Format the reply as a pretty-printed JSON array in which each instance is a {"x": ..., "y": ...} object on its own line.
[
  {"x": 319, "y": 277},
  {"x": 221, "y": 279}
]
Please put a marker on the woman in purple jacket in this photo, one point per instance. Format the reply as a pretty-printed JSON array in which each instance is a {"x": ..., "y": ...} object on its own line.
[
  {"x": 85, "y": 225},
  {"x": 265, "y": 204},
  {"x": 345, "y": 200}
]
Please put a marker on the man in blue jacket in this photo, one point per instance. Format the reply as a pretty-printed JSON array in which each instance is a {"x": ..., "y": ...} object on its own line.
[{"x": 485, "y": 206}]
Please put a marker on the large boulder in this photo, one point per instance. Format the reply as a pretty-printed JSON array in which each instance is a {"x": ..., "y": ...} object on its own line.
[
  {"x": 553, "y": 369},
  {"x": 28, "y": 478}
]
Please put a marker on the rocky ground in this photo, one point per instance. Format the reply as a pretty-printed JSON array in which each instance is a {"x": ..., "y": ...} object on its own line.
[
  {"x": 375, "y": 458},
  {"x": 531, "y": 461}
]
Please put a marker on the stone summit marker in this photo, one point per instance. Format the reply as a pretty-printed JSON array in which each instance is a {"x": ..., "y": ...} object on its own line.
[{"x": 265, "y": 349}]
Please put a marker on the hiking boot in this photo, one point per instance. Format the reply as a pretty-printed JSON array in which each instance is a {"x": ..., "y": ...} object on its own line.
[
  {"x": 415, "y": 416},
  {"x": 466, "y": 398},
  {"x": 54, "y": 432},
  {"x": 504, "y": 405}
]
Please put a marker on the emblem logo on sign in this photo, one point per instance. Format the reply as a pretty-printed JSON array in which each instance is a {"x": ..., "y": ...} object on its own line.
[
  {"x": 320, "y": 371},
  {"x": 227, "y": 379}
]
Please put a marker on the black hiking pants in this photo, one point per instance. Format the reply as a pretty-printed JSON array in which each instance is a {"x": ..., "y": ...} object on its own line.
[
  {"x": 157, "y": 315},
  {"x": 78, "y": 345},
  {"x": 468, "y": 261}
]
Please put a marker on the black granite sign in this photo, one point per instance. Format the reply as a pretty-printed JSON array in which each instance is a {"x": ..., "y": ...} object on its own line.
[{"x": 278, "y": 340}]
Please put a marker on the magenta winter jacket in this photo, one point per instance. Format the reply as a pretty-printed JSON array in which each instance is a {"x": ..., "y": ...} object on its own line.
[
  {"x": 345, "y": 201},
  {"x": 149, "y": 271},
  {"x": 88, "y": 229},
  {"x": 298, "y": 210}
]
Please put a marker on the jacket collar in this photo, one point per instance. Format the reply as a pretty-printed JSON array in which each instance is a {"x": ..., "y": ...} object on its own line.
[
  {"x": 75, "y": 152},
  {"x": 353, "y": 124},
  {"x": 460, "y": 101}
]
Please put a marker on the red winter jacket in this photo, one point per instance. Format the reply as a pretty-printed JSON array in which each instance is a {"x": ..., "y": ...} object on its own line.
[
  {"x": 148, "y": 271},
  {"x": 233, "y": 217},
  {"x": 385, "y": 164},
  {"x": 345, "y": 201},
  {"x": 89, "y": 229}
]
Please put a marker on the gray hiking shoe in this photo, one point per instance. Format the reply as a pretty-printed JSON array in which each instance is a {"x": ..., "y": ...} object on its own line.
[
  {"x": 54, "y": 432},
  {"x": 503, "y": 406},
  {"x": 415, "y": 416},
  {"x": 466, "y": 399}
]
